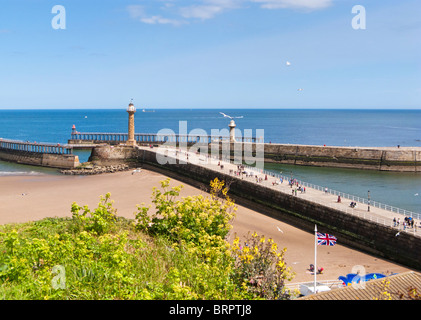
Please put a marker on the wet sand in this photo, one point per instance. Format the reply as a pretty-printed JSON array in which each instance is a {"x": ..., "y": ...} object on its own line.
[{"x": 31, "y": 198}]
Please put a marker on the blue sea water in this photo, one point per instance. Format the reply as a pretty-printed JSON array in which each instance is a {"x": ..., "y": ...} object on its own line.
[{"x": 313, "y": 127}]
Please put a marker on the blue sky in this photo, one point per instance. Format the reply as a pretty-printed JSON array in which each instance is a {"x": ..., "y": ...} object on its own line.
[{"x": 210, "y": 54}]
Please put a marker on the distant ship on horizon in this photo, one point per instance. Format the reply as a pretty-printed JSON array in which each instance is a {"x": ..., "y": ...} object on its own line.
[{"x": 144, "y": 110}]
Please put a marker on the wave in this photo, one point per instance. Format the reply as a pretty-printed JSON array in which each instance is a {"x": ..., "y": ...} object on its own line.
[
  {"x": 19, "y": 173},
  {"x": 404, "y": 128}
]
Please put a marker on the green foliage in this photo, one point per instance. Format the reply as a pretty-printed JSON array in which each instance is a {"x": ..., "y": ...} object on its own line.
[
  {"x": 260, "y": 267},
  {"x": 177, "y": 252},
  {"x": 191, "y": 219},
  {"x": 196, "y": 227},
  {"x": 100, "y": 220}
]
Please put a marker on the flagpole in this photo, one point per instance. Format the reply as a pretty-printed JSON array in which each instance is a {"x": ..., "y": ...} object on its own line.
[{"x": 315, "y": 256}]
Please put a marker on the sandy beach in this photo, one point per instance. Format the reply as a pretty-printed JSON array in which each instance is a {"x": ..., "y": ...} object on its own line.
[{"x": 30, "y": 198}]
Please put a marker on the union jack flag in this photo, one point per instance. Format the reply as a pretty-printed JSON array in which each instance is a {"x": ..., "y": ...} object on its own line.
[{"x": 324, "y": 239}]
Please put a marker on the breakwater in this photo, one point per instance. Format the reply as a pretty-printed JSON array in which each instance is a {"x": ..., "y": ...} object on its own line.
[
  {"x": 359, "y": 233},
  {"x": 399, "y": 159},
  {"x": 402, "y": 159},
  {"x": 38, "y": 154}
]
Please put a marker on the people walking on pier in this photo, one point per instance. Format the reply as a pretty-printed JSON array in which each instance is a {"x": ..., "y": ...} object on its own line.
[{"x": 409, "y": 222}]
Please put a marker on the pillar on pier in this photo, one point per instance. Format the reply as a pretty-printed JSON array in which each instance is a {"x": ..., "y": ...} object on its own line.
[
  {"x": 73, "y": 129},
  {"x": 131, "y": 110},
  {"x": 232, "y": 131}
]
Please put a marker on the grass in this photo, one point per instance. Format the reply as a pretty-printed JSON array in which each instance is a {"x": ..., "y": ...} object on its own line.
[
  {"x": 121, "y": 264},
  {"x": 96, "y": 255},
  {"x": 95, "y": 269}
]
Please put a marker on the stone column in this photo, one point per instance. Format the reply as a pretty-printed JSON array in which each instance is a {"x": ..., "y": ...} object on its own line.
[
  {"x": 131, "y": 110},
  {"x": 232, "y": 131}
]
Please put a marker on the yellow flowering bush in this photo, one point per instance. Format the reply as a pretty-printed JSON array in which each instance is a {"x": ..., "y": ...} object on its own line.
[
  {"x": 260, "y": 267},
  {"x": 100, "y": 220},
  {"x": 180, "y": 253},
  {"x": 198, "y": 227},
  {"x": 201, "y": 220}
]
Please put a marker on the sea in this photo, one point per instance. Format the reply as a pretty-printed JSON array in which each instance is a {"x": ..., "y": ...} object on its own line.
[{"x": 359, "y": 128}]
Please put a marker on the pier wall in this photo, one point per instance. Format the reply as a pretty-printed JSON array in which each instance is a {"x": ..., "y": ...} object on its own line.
[
  {"x": 110, "y": 155},
  {"x": 75, "y": 142},
  {"x": 60, "y": 161},
  {"x": 352, "y": 231},
  {"x": 404, "y": 159}
]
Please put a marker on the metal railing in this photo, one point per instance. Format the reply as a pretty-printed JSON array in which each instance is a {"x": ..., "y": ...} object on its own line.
[
  {"x": 329, "y": 283},
  {"x": 158, "y": 138},
  {"x": 388, "y": 222},
  {"x": 52, "y": 148},
  {"x": 349, "y": 210},
  {"x": 365, "y": 201},
  {"x": 370, "y": 216}
]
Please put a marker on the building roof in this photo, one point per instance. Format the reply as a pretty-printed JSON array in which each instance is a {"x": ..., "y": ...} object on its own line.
[{"x": 394, "y": 287}]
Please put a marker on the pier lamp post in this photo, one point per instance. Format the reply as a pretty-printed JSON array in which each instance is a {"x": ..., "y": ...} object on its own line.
[
  {"x": 131, "y": 110},
  {"x": 232, "y": 130},
  {"x": 368, "y": 201}
]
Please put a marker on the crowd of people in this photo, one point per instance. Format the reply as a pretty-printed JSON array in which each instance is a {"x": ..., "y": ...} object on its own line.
[
  {"x": 353, "y": 204},
  {"x": 408, "y": 222}
]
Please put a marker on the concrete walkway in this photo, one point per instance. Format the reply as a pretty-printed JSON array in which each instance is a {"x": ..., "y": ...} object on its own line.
[{"x": 254, "y": 175}]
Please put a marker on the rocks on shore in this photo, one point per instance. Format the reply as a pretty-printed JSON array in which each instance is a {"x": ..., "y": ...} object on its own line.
[{"x": 96, "y": 169}]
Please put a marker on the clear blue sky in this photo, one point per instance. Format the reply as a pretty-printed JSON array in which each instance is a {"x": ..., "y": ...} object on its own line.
[{"x": 210, "y": 54}]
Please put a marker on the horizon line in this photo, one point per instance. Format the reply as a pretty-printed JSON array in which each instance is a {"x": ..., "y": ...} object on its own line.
[{"x": 215, "y": 108}]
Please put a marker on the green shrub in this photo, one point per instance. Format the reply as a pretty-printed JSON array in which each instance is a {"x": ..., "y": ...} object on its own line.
[
  {"x": 100, "y": 220},
  {"x": 197, "y": 219},
  {"x": 260, "y": 267},
  {"x": 177, "y": 252}
]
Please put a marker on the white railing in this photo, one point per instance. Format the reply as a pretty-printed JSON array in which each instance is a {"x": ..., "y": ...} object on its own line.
[
  {"x": 333, "y": 284},
  {"x": 38, "y": 147},
  {"x": 343, "y": 195},
  {"x": 338, "y": 206}
]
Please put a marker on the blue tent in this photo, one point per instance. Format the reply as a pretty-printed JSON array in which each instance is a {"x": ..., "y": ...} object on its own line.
[{"x": 352, "y": 278}]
